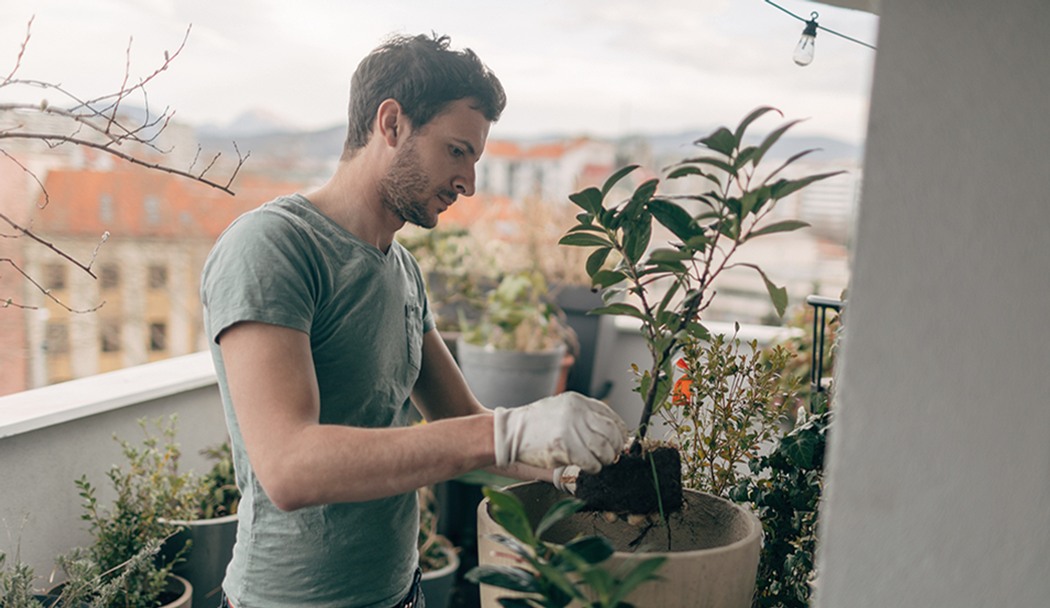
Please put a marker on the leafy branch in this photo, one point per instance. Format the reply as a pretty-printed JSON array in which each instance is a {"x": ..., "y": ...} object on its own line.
[{"x": 709, "y": 228}]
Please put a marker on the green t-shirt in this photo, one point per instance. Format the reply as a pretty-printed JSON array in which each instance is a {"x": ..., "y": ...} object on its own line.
[{"x": 287, "y": 264}]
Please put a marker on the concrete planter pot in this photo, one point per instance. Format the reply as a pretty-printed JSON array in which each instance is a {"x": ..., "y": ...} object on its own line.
[
  {"x": 204, "y": 563},
  {"x": 437, "y": 584},
  {"x": 178, "y": 590},
  {"x": 712, "y": 562},
  {"x": 501, "y": 378}
]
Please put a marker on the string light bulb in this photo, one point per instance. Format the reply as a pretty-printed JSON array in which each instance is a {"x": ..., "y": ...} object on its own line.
[{"x": 807, "y": 43}]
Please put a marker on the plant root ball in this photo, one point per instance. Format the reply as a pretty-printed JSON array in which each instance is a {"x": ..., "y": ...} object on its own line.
[{"x": 627, "y": 487}]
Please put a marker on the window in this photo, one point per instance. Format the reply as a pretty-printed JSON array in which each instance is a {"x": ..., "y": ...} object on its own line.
[
  {"x": 158, "y": 337},
  {"x": 158, "y": 276},
  {"x": 55, "y": 276},
  {"x": 110, "y": 336},
  {"x": 109, "y": 276},
  {"x": 56, "y": 341},
  {"x": 105, "y": 209},
  {"x": 152, "y": 205}
]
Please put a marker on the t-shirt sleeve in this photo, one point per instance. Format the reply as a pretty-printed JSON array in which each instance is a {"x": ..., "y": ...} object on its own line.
[{"x": 259, "y": 270}]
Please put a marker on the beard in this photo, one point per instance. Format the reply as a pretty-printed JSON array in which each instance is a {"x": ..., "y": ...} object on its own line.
[{"x": 404, "y": 189}]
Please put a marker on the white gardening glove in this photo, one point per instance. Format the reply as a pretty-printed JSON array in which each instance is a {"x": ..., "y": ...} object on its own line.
[
  {"x": 564, "y": 478},
  {"x": 567, "y": 428}
]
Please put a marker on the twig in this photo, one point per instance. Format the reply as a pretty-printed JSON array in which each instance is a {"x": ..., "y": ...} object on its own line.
[{"x": 47, "y": 292}]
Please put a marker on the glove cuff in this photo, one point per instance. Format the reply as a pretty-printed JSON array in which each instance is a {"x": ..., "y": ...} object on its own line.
[{"x": 503, "y": 447}]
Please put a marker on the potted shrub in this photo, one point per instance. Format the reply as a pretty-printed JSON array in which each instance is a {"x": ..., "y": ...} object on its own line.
[
  {"x": 127, "y": 536},
  {"x": 711, "y": 544},
  {"x": 438, "y": 558},
  {"x": 517, "y": 351},
  {"x": 206, "y": 537}
]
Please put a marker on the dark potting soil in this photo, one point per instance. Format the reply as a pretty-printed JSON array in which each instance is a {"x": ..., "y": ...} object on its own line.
[{"x": 627, "y": 486}]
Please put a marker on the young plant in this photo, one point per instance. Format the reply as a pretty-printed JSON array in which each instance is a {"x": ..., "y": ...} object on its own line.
[
  {"x": 433, "y": 546},
  {"x": 726, "y": 403},
  {"x": 556, "y": 574},
  {"x": 219, "y": 495},
  {"x": 148, "y": 490},
  {"x": 668, "y": 288},
  {"x": 785, "y": 489},
  {"x": 519, "y": 315}
]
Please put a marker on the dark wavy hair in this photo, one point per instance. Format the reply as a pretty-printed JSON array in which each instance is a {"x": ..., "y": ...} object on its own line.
[{"x": 423, "y": 75}]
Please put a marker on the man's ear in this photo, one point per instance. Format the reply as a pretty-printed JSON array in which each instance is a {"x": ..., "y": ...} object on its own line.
[{"x": 391, "y": 122}]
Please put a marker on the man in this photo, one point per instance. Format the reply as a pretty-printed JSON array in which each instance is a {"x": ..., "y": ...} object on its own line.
[{"x": 322, "y": 340}]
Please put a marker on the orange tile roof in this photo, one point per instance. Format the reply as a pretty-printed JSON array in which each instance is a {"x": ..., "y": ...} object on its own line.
[{"x": 183, "y": 207}]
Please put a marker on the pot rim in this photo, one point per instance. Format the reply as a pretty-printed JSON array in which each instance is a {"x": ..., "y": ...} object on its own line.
[
  {"x": 211, "y": 521},
  {"x": 754, "y": 535},
  {"x": 450, "y": 567}
]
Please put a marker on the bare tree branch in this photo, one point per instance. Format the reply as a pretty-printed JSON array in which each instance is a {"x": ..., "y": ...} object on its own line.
[
  {"x": 10, "y": 303},
  {"x": 99, "y": 123}
]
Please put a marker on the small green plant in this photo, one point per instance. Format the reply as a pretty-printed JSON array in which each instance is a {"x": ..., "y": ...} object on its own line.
[
  {"x": 668, "y": 288},
  {"x": 726, "y": 403},
  {"x": 519, "y": 315},
  {"x": 556, "y": 575},
  {"x": 219, "y": 495},
  {"x": 433, "y": 546},
  {"x": 149, "y": 489},
  {"x": 16, "y": 585},
  {"x": 785, "y": 490}
]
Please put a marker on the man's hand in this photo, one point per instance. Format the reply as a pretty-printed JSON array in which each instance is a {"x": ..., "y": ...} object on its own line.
[{"x": 564, "y": 429}]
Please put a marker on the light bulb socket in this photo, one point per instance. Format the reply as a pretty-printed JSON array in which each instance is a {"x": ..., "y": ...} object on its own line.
[{"x": 811, "y": 28}]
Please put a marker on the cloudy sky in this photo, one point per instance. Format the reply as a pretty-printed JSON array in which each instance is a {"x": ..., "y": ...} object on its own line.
[{"x": 599, "y": 67}]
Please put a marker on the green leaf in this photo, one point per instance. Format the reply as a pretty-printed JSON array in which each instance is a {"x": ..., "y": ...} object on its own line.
[
  {"x": 684, "y": 171},
  {"x": 643, "y": 193},
  {"x": 507, "y": 511},
  {"x": 515, "y": 602},
  {"x": 752, "y": 117},
  {"x": 605, "y": 278},
  {"x": 589, "y": 199},
  {"x": 785, "y": 187},
  {"x": 783, "y": 226},
  {"x": 619, "y": 309},
  {"x": 790, "y": 160},
  {"x": 673, "y": 217},
  {"x": 586, "y": 228},
  {"x": 615, "y": 177},
  {"x": 596, "y": 260},
  {"x": 645, "y": 571},
  {"x": 558, "y": 511},
  {"x": 800, "y": 449},
  {"x": 505, "y": 577},
  {"x": 698, "y": 331},
  {"x": 714, "y": 162},
  {"x": 592, "y": 549},
  {"x": 778, "y": 295},
  {"x": 637, "y": 236},
  {"x": 584, "y": 239},
  {"x": 770, "y": 140},
  {"x": 722, "y": 141}
]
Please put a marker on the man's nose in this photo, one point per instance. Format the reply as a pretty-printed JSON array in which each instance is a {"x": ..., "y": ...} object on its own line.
[{"x": 464, "y": 184}]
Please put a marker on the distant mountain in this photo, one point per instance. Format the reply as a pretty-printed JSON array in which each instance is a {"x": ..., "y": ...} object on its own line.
[{"x": 250, "y": 123}]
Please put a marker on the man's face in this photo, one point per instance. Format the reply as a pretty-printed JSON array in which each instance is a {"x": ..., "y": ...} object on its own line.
[{"x": 435, "y": 165}]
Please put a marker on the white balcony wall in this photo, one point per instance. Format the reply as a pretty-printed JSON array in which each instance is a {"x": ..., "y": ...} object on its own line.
[{"x": 51, "y": 436}]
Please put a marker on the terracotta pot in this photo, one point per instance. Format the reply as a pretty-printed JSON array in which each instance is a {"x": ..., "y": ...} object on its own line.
[{"x": 712, "y": 561}]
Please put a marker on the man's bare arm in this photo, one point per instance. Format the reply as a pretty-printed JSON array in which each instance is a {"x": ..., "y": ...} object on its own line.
[{"x": 300, "y": 462}]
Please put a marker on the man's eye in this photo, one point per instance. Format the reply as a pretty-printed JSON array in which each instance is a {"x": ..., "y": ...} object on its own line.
[{"x": 457, "y": 152}]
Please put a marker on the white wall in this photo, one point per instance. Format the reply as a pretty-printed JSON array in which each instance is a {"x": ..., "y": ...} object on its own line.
[
  {"x": 939, "y": 487},
  {"x": 51, "y": 436}
]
